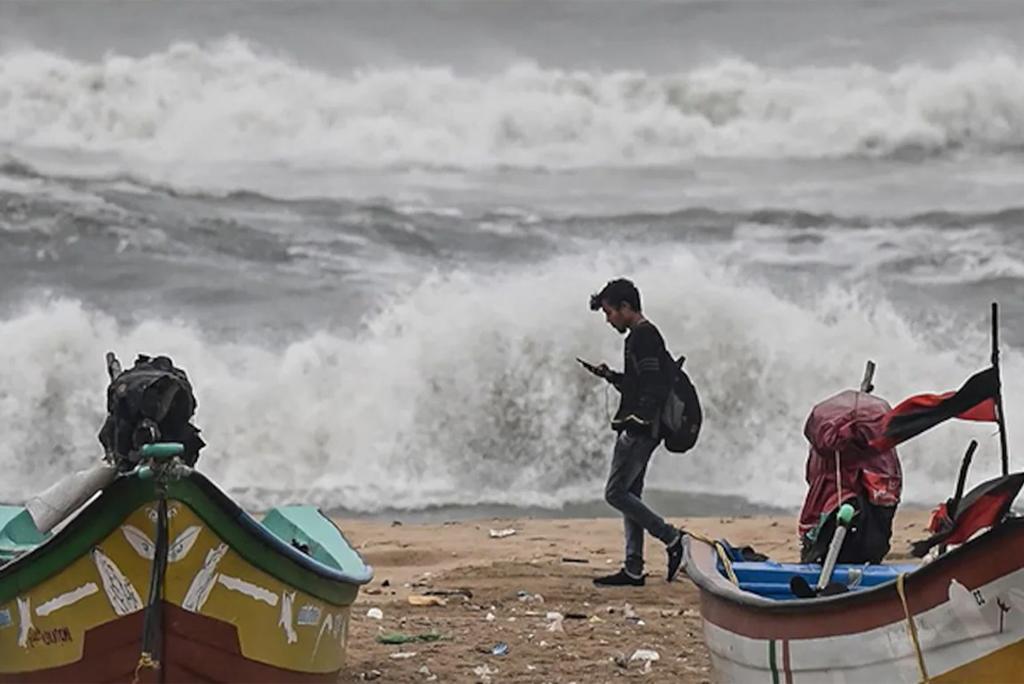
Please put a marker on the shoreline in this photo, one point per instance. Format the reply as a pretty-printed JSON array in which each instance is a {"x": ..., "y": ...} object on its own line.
[{"x": 668, "y": 503}]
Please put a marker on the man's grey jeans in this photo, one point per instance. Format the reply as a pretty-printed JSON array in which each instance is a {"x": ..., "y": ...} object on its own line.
[{"x": 625, "y": 485}]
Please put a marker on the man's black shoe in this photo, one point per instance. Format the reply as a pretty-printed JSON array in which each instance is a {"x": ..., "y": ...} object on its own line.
[
  {"x": 619, "y": 579},
  {"x": 675, "y": 557}
]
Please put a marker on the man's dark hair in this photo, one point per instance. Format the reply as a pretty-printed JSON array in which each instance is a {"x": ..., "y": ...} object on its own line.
[{"x": 616, "y": 293}]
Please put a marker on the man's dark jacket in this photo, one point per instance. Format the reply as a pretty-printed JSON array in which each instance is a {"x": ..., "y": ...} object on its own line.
[{"x": 644, "y": 384}]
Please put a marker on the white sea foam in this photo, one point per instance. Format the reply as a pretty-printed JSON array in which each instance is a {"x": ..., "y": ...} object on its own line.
[
  {"x": 463, "y": 390},
  {"x": 231, "y": 101}
]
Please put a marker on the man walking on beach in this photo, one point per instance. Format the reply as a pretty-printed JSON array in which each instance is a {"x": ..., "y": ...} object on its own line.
[{"x": 644, "y": 385}]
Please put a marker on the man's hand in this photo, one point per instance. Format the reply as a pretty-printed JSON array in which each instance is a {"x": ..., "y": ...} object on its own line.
[{"x": 601, "y": 371}]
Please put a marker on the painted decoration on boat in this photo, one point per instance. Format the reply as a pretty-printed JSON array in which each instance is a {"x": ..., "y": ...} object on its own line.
[
  {"x": 139, "y": 541},
  {"x": 66, "y": 599},
  {"x": 145, "y": 547},
  {"x": 124, "y": 599},
  {"x": 308, "y": 615},
  {"x": 151, "y": 513},
  {"x": 183, "y": 543},
  {"x": 248, "y": 588},
  {"x": 202, "y": 583},
  {"x": 326, "y": 626},
  {"x": 287, "y": 599},
  {"x": 25, "y": 625}
]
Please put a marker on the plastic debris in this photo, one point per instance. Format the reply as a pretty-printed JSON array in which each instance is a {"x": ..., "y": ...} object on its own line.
[
  {"x": 556, "y": 622},
  {"x": 464, "y": 593},
  {"x": 370, "y": 676},
  {"x": 375, "y": 614},
  {"x": 527, "y": 597},
  {"x": 501, "y": 534},
  {"x": 400, "y": 638},
  {"x": 402, "y": 655},
  {"x": 417, "y": 600},
  {"x": 490, "y": 617},
  {"x": 500, "y": 649},
  {"x": 567, "y": 559},
  {"x": 645, "y": 655},
  {"x": 484, "y": 673}
]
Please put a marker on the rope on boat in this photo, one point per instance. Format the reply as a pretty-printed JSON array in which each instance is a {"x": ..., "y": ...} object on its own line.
[
  {"x": 152, "y": 628},
  {"x": 912, "y": 628},
  {"x": 722, "y": 555},
  {"x": 145, "y": 661}
]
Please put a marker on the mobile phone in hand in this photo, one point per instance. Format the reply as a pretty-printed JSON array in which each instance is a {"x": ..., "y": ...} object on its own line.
[{"x": 591, "y": 367}]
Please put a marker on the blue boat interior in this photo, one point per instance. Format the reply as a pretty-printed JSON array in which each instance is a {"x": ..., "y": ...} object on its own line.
[{"x": 770, "y": 579}]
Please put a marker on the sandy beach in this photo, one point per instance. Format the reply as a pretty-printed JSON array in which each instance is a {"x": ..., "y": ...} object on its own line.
[{"x": 502, "y": 590}]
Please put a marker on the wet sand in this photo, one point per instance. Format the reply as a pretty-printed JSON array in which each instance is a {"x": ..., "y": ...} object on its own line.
[{"x": 501, "y": 591}]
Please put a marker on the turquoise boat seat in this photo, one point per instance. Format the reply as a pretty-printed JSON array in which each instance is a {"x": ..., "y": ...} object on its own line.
[
  {"x": 770, "y": 579},
  {"x": 309, "y": 530},
  {"x": 18, "y": 533}
]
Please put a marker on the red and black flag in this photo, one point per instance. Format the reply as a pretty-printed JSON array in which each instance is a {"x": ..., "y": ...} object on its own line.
[{"x": 974, "y": 401}]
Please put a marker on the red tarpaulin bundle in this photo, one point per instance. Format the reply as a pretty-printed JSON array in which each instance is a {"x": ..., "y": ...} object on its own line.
[{"x": 846, "y": 424}]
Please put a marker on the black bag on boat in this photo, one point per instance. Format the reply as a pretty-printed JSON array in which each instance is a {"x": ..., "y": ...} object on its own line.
[
  {"x": 867, "y": 541},
  {"x": 150, "y": 402},
  {"x": 681, "y": 417}
]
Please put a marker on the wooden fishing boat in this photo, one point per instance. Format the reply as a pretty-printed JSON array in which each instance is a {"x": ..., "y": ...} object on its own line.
[
  {"x": 957, "y": 616},
  {"x": 163, "y": 578}
]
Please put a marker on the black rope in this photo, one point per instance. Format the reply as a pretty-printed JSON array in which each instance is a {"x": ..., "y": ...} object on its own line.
[{"x": 152, "y": 631}]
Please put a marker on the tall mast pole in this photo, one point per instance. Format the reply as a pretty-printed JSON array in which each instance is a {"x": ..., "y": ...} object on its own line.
[{"x": 999, "y": 392}]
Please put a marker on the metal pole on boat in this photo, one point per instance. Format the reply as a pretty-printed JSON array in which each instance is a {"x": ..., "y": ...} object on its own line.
[
  {"x": 999, "y": 394},
  {"x": 961, "y": 482},
  {"x": 866, "y": 385},
  {"x": 843, "y": 519}
]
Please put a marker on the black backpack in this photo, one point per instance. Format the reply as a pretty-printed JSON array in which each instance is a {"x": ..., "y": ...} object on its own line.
[
  {"x": 150, "y": 402},
  {"x": 682, "y": 416},
  {"x": 866, "y": 542}
]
